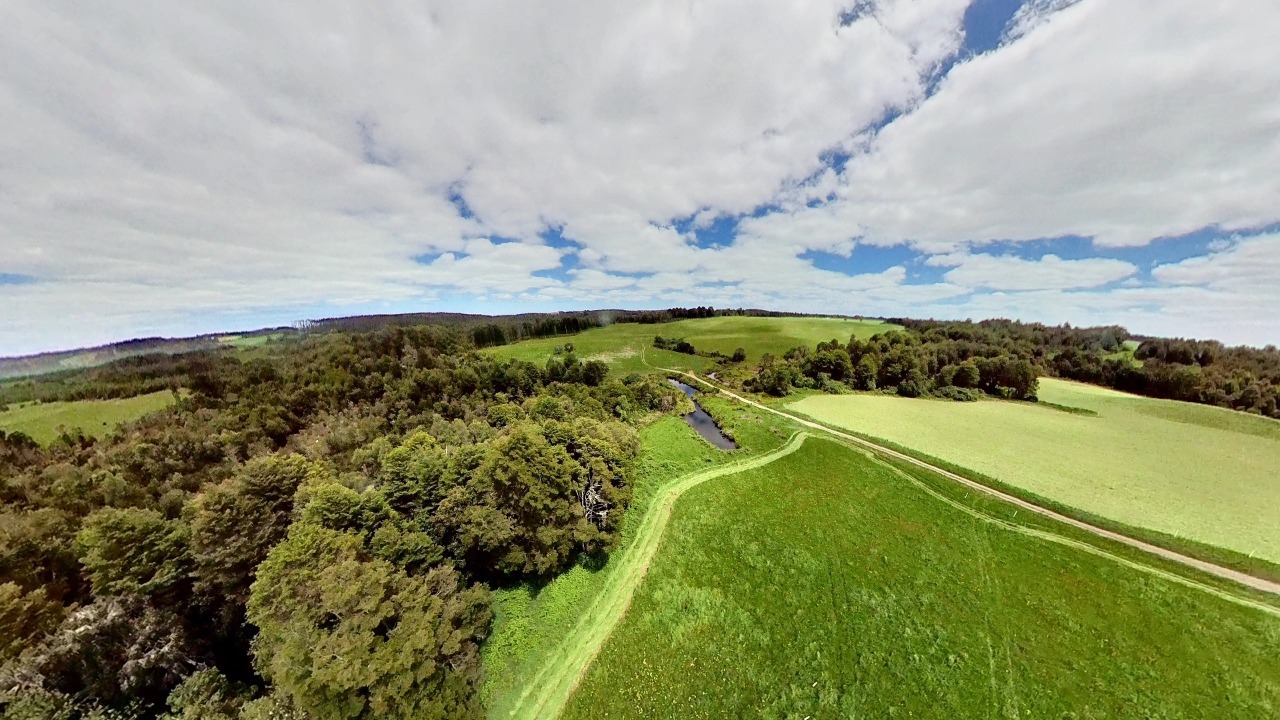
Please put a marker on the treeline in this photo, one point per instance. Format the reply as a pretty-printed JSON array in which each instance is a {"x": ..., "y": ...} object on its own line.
[
  {"x": 312, "y": 536},
  {"x": 910, "y": 363},
  {"x": 961, "y": 360},
  {"x": 1240, "y": 378}
]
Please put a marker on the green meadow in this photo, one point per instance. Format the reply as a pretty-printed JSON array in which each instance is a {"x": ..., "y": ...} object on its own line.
[
  {"x": 1192, "y": 471},
  {"x": 828, "y": 584},
  {"x": 43, "y": 421},
  {"x": 532, "y": 621},
  {"x": 625, "y": 346}
]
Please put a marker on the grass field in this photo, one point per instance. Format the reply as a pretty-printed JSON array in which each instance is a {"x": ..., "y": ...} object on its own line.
[
  {"x": 42, "y": 421},
  {"x": 1192, "y": 471},
  {"x": 549, "y": 626},
  {"x": 621, "y": 345},
  {"x": 827, "y": 584}
]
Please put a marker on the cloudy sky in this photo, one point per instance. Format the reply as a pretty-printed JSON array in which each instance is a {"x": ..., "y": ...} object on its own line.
[{"x": 177, "y": 168}]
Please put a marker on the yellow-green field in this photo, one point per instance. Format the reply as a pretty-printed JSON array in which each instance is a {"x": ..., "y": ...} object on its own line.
[
  {"x": 42, "y": 421},
  {"x": 1198, "y": 472},
  {"x": 621, "y": 345}
]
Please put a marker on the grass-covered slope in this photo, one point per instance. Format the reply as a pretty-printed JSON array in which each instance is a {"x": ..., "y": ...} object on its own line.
[
  {"x": 540, "y": 633},
  {"x": 42, "y": 421},
  {"x": 621, "y": 345},
  {"x": 1193, "y": 471},
  {"x": 828, "y": 585}
]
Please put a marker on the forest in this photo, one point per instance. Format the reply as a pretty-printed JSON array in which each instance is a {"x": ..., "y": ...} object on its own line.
[{"x": 314, "y": 535}]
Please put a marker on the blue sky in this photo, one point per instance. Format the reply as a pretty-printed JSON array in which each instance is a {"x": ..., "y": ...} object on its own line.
[{"x": 204, "y": 169}]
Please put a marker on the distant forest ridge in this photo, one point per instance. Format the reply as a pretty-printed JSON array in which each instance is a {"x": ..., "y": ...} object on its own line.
[{"x": 489, "y": 330}]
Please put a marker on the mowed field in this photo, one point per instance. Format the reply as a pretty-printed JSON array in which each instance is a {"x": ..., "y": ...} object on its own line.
[
  {"x": 42, "y": 421},
  {"x": 828, "y": 584},
  {"x": 621, "y": 345},
  {"x": 1202, "y": 473}
]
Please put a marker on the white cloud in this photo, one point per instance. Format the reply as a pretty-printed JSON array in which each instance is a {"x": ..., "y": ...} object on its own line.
[
  {"x": 1121, "y": 120},
  {"x": 1250, "y": 265},
  {"x": 292, "y": 154},
  {"x": 165, "y": 167},
  {"x": 1007, "y": 272}
]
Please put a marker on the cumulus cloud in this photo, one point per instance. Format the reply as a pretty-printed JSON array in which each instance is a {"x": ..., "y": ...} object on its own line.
[
  {"x": 1007, "y": 272},
  {"x": 217, "y": 157},
  {"x": 1119, "y": 120},
  {"x": 172, "y": 168}
]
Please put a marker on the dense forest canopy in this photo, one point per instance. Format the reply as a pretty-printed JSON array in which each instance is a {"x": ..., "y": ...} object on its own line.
[{"x": 312, "y": 535}]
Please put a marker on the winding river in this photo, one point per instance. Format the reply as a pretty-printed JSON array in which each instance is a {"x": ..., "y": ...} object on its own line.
[{"x": 702, "y": 422}]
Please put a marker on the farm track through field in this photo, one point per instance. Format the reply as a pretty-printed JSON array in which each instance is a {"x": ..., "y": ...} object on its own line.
[
  {"x": 1245, "y": 579},
  {"x": 546, "y": 693}
]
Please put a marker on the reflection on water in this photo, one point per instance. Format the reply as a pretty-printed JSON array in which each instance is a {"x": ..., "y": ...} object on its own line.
[{"x": 703, "y": 423}]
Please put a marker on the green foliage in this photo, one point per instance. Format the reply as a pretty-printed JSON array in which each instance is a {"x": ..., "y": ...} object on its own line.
[
  {"x": 25, "y": 617},
  {"x": 205, "y": 695},
  {"x": 235, "y": 523},
  {"x": 518, "y": 513},
  {"x": 345, "y": 635},
  {"x": 131, "y": 551}
]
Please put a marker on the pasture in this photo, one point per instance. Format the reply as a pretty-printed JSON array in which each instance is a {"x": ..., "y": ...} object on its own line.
[
  {"x": 43, "y": 421},
  {"x": 622, "y": 345},
  {"x": 1192, "y": 471},
  {"x": 828, "y": 584}
]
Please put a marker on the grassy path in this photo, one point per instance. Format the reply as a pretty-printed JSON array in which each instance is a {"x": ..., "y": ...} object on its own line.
[
  {"x": 547, "y": 692},
  {"x": 1250, "y": 581}
]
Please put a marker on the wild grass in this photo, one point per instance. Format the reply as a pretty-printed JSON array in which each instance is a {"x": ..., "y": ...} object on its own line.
[
  {"x": 1209, "y": 475},
  {"x": 531, "y": 621},
  {"x": 622, "y": 345},
  {"x": 826, "y": 584},
  {"x": 44, "y": 421}
]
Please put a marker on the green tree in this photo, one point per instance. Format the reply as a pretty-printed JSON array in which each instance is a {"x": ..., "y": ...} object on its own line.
[
  {"x": 864, "y": 374},
  {"x": 966, "y": 375},
  {"x": 237, "y": 522},
  {"x": 25, "y": 618},
  {"x": 411, "y": 473},
  {"x": 345, "y": 636},
  {"x": 206, "y": 695},
  {"x": 131, "y": 551},
  {"x": 518, "y": 513}
]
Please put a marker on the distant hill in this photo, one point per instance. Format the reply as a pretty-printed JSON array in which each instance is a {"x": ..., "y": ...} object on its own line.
[
  {"x": 79, "y": 359},
  {"x": 486, "y": 330}
]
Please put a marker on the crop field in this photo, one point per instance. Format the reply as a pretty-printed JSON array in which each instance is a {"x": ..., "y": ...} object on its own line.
[
  {"x": 828, "y": 584},
  {"x": 621, "y": 345},
  {"x": 1197, "y": 472},
  {"x": 95, "y": 417},
  {"x": 531, "y": 622}
]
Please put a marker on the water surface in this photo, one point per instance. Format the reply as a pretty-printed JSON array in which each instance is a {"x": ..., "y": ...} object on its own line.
[{"x": 702, "y": 422}]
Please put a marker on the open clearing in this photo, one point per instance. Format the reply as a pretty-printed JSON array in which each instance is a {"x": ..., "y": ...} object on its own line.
[
  {"x": 42, "y": 421},
  {"x": 828, "y": 584},
  {"x": 1149, "y": 463},
  {"x": 625, "y": 346}
]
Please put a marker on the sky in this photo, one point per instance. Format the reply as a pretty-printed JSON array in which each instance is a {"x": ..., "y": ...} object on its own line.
[{"x": 181, "y": 168}]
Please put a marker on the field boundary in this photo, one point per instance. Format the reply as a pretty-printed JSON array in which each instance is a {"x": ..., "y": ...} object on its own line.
[
  {"x": 547, "y": 692},
  {"x": 1204, "y": 566}
]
